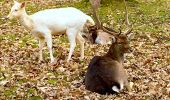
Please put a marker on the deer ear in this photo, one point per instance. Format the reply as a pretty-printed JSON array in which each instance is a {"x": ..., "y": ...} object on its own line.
[{"x": 23, "y": 5}]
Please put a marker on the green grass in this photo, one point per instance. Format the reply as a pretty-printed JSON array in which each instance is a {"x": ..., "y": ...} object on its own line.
[
  {"x": 142, "y": 14},
  {"x": 35, "y": 98},
  {"x": 167, "y": 41},
  {"x": 52, "y": 81}
]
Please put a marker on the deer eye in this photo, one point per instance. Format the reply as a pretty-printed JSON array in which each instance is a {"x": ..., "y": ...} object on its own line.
[{"x": 15, "y": 10}]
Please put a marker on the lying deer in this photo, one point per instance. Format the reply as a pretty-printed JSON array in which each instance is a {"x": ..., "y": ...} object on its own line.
[
  {"x": 46, "y": 23},
  {"x": 105, "y": 74}
]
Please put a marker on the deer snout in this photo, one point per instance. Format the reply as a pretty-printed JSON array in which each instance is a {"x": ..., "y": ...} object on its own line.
[
  {"x": 6, "y": 17},
  {"x": 127, "y": 49},
  {"x": 9, "y": 17}
]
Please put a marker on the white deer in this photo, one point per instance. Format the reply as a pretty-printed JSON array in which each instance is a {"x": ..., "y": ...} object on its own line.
[{"x": 46, "y": 23}]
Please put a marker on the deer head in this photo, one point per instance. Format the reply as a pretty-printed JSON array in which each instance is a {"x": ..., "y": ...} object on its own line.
[
  {"x": 104, "y": 35},
  {"x": 17, "y": 10}
]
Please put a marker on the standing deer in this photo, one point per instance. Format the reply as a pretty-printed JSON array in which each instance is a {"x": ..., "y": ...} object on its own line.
[
  {"x": 105, "y": 74},
  {"x": 44, "y": 24}
]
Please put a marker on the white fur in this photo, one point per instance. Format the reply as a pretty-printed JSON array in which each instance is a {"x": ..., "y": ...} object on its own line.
[
  {"x": 46, "y": 23},
  {"x": 115, "y": 88},
  {"x": 103, "y": 38}
]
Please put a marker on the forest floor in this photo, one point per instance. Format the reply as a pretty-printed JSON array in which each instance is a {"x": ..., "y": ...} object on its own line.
[{"x": 148, "y": 66}]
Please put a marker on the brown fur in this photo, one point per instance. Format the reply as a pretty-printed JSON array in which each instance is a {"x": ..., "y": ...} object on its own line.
[{"x": 106, "y": 71}]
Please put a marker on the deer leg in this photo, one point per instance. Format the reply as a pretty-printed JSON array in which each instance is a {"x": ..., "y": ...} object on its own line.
[
  {"x": 71, "y": 36},
  {"x": 49, "y": 45},
  {"x": 41, "y": 44},
  {"x": 81, "y": 41}
]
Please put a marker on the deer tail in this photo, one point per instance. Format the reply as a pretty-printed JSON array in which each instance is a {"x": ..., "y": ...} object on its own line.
[{"x": 118, "y": 87}]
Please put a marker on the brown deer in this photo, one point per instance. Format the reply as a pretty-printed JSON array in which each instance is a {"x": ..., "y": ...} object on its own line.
[{"x": 105, "y": 74}]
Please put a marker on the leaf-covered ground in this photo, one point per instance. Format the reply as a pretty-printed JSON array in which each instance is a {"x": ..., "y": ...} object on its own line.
[{"x": 148, "y": 66}]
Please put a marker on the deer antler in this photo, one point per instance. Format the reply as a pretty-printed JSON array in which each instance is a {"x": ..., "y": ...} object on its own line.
[
  {"x": 128, "y": 31},
  {"x": 114, "y": 33},
  {"x": 95, "y": 5}
]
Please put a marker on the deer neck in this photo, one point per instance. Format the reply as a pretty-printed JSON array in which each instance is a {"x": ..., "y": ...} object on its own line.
[
  {"x": 116, "y": 54},
  {"x": 26, "y": 20}
]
